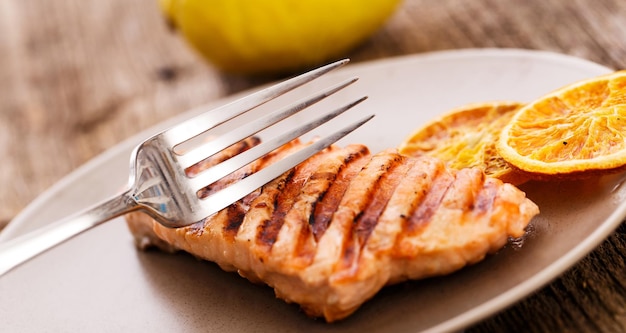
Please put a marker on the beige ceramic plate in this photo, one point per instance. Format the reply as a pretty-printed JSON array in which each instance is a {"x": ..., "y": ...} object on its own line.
[{"x": 99, "y": 282}]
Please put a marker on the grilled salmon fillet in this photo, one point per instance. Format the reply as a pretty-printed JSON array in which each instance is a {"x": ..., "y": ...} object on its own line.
[{"x": 331, "y": 232}]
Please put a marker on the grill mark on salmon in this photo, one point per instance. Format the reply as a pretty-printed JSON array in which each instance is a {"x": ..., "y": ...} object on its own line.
[
  {"x": 385, "y": 188},
  {"x": 486, "y": 198},
  {"x": 282, "y": 199},
  {"x": 329, "y": 201},
  {"x": 305, "y": 247},
  {"x": 432, "y": 200},
  {"x": 222, "y": 156},
  {"x": 290, "y": 192},
  {"x": 235, "y": 214},
  {"x": 331, "y": 232},
  {"x": 462, "y": 192},
  {"x": 227, "y": 153},
  {"x": 358, "y": 196},
  {"x": 323, "y": 173},
  {"x": 408, "y": 195}
]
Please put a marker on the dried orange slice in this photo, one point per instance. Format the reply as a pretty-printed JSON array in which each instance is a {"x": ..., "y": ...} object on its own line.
[
  {"x": 578, "y": 128},
  {"x": 466, "y": 137}
]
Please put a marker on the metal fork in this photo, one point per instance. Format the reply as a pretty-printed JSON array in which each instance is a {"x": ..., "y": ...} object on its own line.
[{"x": 160, "y": 186}]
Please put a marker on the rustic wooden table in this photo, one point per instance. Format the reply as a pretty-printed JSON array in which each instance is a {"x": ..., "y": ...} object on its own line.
[{"x": 77, "y": 77}]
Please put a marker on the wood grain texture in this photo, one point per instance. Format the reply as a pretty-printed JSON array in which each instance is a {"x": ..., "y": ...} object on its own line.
[{"x": 79, "y": 76}]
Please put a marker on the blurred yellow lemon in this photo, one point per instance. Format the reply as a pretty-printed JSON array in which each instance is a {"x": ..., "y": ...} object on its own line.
[{"x": 272, "y": 36}]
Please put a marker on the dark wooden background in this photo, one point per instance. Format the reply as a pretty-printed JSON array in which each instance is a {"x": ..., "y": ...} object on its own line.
[{"x": 79, "y": 76}]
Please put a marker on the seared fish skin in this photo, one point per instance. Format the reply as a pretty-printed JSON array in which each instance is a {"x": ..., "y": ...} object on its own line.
[{"x": 330, "y": 233}]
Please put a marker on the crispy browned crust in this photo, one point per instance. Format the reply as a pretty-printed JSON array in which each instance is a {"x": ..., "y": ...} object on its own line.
[{"x": 333, "y": 231}]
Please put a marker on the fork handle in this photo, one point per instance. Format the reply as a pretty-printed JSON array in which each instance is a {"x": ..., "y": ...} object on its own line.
[{"x": 23, "y": 248}]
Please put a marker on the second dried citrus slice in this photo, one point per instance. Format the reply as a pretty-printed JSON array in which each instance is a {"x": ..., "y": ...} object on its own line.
[
  {"x": 578, "y": 128},
  {"x": 466, "y": 137}
]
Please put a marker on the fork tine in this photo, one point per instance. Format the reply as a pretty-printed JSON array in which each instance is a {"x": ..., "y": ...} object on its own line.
[
  {"x": 221, "y": 170},
  {"x": 205, "y": 121},
  {"x": 240, "y": 189},
  {"x": 223, "y": 141}
]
